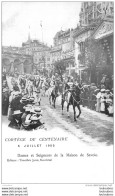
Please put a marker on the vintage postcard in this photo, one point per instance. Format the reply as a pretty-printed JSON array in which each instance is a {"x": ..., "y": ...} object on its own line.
[{"x": 57, "y": 98}]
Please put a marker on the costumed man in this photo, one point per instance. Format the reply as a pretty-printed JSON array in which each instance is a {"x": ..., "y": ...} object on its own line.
[
  {"x": 24, "y": 115},
  {"x": 5, "y": 101},
  {"x": 77, "y": 87},
  {"x": 13, "y": 94},
  {"x": 15, "y": 103},
  {"x": 68, "y": 88},
  {"x": 37, "y": 97},
  {"x": 16, "y": 120}
]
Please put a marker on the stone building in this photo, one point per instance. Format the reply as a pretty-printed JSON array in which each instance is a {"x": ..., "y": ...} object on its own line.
[
  {"x": 63, "y": 49},
  {"x": 91, "y": 11},
  {"x": 99, "y": 28},
  {"x": 15, "y": 62},
  {"x": 40, "y": 53}
]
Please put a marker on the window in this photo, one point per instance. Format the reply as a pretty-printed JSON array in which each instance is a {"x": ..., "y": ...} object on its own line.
[
  {"x": 98, "y": 13},
  {"x": 99, "y": 7},
  {"x": 111, "y": 10}
]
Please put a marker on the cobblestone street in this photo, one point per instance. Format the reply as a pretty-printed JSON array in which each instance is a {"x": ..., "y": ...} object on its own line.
[{"x": 91, "y": 127}]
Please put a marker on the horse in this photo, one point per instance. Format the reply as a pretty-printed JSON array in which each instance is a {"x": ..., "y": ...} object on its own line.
[
  {"x": 72, "y": 97},
  {"x": 53, "y": 94}
]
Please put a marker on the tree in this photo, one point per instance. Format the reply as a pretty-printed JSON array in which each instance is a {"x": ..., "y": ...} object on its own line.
[
  {"x": 45, "y": 72},
  {"x": 60, "y": 68},
  {"x": 93, "y": 57},
  {"x": 75, "y": 76}
]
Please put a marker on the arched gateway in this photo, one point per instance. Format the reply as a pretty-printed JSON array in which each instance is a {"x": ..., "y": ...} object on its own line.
[{"x": 12, "y": 62}]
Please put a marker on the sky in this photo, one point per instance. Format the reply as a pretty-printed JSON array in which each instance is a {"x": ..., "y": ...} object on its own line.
[{"x": 17, "y": 17}]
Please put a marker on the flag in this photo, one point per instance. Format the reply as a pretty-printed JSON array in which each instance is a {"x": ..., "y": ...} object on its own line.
[{"x": 41, "y": 23}]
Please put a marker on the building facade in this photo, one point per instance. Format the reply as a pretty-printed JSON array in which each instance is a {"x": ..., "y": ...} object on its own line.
[
  {"x": 92, "y": 11},
  {"x": 15, "y": 62},
  {"x": 40, "y": 53},
  {"x": 98, "y": 27},
  {"x": 63, "y": 49}
]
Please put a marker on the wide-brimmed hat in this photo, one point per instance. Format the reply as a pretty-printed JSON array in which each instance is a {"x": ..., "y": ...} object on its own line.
[
  {"x": 32, "y": 111},
  {"x": 27, "y": 106},
  {"x": 23, "y": 99},
  {"x": 35, "y": 118},
  {"x": 16, "y": 93},
  {"x": 27, "y": 109},
  {"x": 102, "y": 90},
  {"x": 16, "y": 112},
  {"x": 27, "y": 122},
  {"x": 5, "y": 90},
  {"x": 31, "y": 99},
  {"x": 107, "y": 90},
  {"x": 37, "y": 109},
  {"x": 97, "y": 90}
]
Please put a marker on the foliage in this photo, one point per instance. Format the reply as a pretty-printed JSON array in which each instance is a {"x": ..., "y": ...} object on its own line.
[
  {"x": 93, "y": 57},
  {"x": 93, "y": 54},
  {"x": 60, "y": 68},
  {"x": 45, "y": 72},
  {"x": 75, "y": 75}
]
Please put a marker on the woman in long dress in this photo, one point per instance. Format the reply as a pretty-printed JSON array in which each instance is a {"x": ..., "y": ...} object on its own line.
[
  {"x": 98, "y": 105},
  {"x": 103, "y": 99}
]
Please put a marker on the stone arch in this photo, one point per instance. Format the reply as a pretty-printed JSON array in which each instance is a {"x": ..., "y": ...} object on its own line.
[
  {"x": 28, "y": 66},
  {"x": 6, "y": 65},
  {"x": 17, "y": 64}
]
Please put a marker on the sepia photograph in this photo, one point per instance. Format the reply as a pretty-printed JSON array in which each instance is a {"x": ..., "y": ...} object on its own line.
[{"x": 57, "y": 92}]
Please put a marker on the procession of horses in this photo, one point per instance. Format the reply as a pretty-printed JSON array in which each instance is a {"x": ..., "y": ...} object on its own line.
[{"x": 22, "y": 95}]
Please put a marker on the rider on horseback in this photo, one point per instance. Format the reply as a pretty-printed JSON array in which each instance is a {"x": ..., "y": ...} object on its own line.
[{"x": 68, "y": 86}]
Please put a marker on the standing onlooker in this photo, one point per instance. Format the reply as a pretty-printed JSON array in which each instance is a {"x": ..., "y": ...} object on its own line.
[
  {"x": 5, "y": 101},
  {"x": 103, "y": 99},
  {"x": 98, "y": 105}
]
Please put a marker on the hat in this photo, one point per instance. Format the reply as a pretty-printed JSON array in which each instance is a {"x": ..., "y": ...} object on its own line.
[
  {"x": 31, "y": 99},
  {"x": 27, "y": 122},
  {"x": 5, "y": 90},
  {"x": 32, "y": 111},
  {"x": 107, "y": 90},
  {"x": 102, "y": 90},
  {"x": 37, "y": 109},
  {"x": 35, "y": 118},
  {"x": 97, "y": 90},
  {"x": 17, "y": 112},
  {"x": 16, "y": 93},
  {"x": 28, "y": 105},
  {"x": 27, "y": 109},
  {"x": 36, "y": 105},
  {"x": 23, "y": 99}
]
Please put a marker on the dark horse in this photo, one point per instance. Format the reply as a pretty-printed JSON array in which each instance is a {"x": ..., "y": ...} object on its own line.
[
  {"x": 72, "y": 97},
  {"x": 53, "y": 95}
]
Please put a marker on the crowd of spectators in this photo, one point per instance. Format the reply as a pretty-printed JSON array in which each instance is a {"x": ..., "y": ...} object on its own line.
[{"x": 99, "y": 98}]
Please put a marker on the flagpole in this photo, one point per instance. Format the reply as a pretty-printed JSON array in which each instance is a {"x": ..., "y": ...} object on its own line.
[{"x": 41, "y": 30}]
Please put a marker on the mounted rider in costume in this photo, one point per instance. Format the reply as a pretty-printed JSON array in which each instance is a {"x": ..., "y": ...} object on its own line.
[
  {"x": 77, "y": 88},
  {"x": 68, "y": 86}
]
